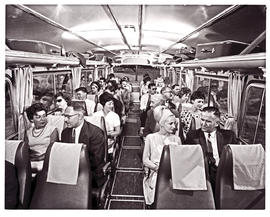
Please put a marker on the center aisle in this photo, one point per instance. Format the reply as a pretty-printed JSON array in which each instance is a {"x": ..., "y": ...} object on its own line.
[{"x": 127, "y": 190}]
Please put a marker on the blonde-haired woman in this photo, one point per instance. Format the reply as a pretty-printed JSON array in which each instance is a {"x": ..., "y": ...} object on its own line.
[{"x": 153, "y": 148}]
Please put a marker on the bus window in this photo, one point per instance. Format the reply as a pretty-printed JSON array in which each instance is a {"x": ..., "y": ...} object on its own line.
[
  {"x": 42, "y": 84},
  {"x": 260, "y": 136},
  {"x": 83, "y": 79},
  {"x": 88, "y": 73},
  {"x": 202, "y": 84},
  {"x": 63, "y": 83},
  {"x": 251, "y": 114},
  {"x": 101, "y": 72},
  {"x": 10, "y": 128}
]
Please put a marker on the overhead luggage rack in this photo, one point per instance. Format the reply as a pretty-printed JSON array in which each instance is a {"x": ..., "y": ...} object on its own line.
[{"x": 231, "y": 62}]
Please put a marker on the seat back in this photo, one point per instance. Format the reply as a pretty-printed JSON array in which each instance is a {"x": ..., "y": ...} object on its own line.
[
  {"x": 226, "y": 196},
  {"x": 58, "y": 121},
  {"x": 20, "y": 163},
  {"x": 99, "y": 121},
  {"x": 168, "y": 198},
  {"x": 49, "y": 195}
]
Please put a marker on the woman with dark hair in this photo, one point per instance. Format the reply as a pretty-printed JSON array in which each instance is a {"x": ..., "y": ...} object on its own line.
[
  {"x": 40, "y": 135},
  {"x": 112, "y": 120},
  {"x": 61, "y": 102},
  {"x": 191, "y": 118}
]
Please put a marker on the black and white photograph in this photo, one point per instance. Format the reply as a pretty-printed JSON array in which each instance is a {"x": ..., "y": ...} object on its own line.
[{"x": 134, "y": 106}]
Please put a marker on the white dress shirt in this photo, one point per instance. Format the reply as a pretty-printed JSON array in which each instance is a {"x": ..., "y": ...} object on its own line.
[{"x": 77, "y": 132}]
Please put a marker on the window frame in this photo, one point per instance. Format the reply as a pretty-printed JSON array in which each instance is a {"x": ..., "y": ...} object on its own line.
[
  {"x": 55, "y": 73},
  {"x": 15, "y": 133},
  {"x": 244, "y": 107}
]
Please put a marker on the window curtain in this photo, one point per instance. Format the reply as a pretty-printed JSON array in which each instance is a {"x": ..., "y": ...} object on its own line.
[
  {"x": 76, "y": 77},
  {"x": 23, "y": 96},
  {"x": 235, "y": 87},
  {"x": 190, "y": 79}
]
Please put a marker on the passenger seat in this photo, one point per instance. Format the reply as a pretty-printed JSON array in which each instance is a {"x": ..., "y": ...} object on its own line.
[
  {"x": 227, "y": 197},
  {"x": 166, "y": 197},
  {"x": 17, "y": 175},
  {"x": 57, "y": 192}
]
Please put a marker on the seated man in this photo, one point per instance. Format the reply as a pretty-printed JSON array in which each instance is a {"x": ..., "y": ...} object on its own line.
[
  {"x": 81, "y": 93},
  {"x": 211, "y": 138},
  {"x": 80, "y": 131}
]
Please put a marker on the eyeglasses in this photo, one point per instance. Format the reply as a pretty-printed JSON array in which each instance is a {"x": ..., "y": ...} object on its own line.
[
  {"x": 69, "y": 116},
  {"x": 59, "y": 100}
]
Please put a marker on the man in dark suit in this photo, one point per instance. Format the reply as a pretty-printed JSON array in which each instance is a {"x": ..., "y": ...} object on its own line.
[
  {"x": 80, "y": 131},
  {"x": 211, "y": 138}
]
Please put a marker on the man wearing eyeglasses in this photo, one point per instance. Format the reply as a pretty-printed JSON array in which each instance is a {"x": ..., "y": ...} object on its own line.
[{"x": 80, "y": 131}]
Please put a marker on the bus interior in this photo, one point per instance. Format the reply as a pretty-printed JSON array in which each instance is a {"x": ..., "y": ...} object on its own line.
[{"x": 60, "y": 47}]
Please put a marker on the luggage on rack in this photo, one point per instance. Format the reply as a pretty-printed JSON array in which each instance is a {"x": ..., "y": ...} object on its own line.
[
  {"x": 220, "y": 48},
  {"x": 34, "y": 46}
]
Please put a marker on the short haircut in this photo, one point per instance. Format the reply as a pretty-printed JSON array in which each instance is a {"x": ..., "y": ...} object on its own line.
[
  {"x": 151, "y": 85},
  {"x": 111, "y": 75},
  {"x": 163, "y": 89},
  {"x": 160, "y": 98},
  {"x": 110, "y": 88},
  {"x": 183, "y": 91},
  {"x": 213, "y": 110},
  {"x": 33, "y": 109},
  {"x": 197, "y": 95},
  {"x": 64, "y": 96},
  {"x": 175, "y": 85},
  {"x": 79, "y": 106},
  {"x": 145, "y": 79},
  {"x": 97, "y": 84},
  {"x": 102, "y": 79},
  {"x": 105, "y": 97},
  {"x": 83, "y": 89}
]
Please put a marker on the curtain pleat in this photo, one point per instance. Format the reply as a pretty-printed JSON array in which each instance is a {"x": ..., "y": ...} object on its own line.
[
  {"x": 23, "y": 96},
  {"x": 76, "y": 77},
  {"x": 235, "y": 87}
]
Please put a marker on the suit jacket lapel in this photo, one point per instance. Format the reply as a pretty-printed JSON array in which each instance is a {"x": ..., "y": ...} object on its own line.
[
  {"x": 220, "y": 141},
  {"x": 82, "y": 133},
  {"x": 202, "y": 141}
]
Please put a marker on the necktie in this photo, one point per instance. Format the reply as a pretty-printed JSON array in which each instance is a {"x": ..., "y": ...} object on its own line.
[
  {"x": 96, "y": 101},
  {"x": 148, "y": 102},
  {"x": 209, "y": 154},
  {"x": 73, "y": 135}
]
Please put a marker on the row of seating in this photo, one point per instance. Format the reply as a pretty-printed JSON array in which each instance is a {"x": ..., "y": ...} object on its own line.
[
  {"x": 46, "y": 195},
  {"x": 226, "y": 196},
  {"x": 43, "y": 190}
]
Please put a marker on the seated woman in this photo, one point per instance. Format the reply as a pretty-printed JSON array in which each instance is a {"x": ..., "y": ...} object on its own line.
[
  {"x": 153, "y": 148},
  {"x": 61, "y": 103},
  {"x": 39, "y": 136},
  {"x": 191, "y": 118},
  {"x": 112, "y": 120}
]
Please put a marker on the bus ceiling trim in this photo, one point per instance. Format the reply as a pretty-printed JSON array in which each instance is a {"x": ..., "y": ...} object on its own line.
[
  {"x": 57, "y": 25},
  {"x": 208, "y": 23},
  {"x": 237, "y": 61},
  {"x": 118, "y": 26},
  {"x": 21, "y": 57},
  {"x": 140, "y": 28}
]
